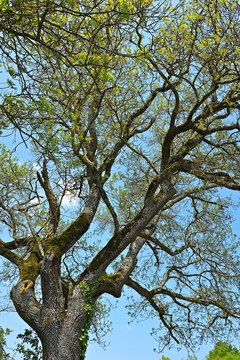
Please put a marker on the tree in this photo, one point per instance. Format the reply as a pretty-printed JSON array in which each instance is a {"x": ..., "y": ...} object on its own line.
[
  {"x": 29, "y": 346},
  {"x": 223, "y": 351},
  {"x": 130, "y": 110},
  {"x": 3, "y": 344}
]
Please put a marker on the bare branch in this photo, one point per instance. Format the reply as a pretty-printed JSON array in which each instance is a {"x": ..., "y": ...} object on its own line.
[
  {"x": 166, "y": 248},
  {"x": 198, "y": 300},
  {"x": 158, "y": 308}
]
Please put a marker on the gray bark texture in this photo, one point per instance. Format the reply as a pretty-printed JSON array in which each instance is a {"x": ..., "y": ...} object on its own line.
[{"x": 58, "y": 327}]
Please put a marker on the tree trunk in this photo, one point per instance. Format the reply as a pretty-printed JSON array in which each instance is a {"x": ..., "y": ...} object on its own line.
[
  {"x": 62, "y": 345},
  {"x": 58, "y": 321},
  {"x": 61, "y": 331}
]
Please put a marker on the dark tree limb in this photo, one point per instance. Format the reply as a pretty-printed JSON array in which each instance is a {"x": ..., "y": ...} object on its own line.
[{"x": 51, "y": 197}]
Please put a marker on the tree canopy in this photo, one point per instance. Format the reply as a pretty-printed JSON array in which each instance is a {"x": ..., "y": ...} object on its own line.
[
  {"x": 120, "y": 128},
  {"x": 224, "y": 351},
  {"x": 221, "y": 351}
]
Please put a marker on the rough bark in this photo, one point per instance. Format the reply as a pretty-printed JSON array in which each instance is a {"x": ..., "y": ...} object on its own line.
[
  {"x": 59, "y": 326},
  {"x": 58, "y": 329}
]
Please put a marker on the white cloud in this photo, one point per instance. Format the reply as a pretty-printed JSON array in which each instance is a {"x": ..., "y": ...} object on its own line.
[{"x": 70, "y": 199}]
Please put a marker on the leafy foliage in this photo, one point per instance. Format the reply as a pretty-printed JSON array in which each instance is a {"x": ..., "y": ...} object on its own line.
[
  {"x": 3, "y": 353},
  {"x": 29, "y": 348},
  {"x": 224, "y": 351}
]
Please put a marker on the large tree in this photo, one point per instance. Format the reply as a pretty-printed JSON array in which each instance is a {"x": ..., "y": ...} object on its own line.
[{"x": 129, "y": 109}]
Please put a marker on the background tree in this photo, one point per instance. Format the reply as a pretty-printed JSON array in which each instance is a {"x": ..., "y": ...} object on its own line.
[
  {"x": 3, "y": 351},
  {"x": 224, "y": 351},
  {"x": 29, "y": 347},
  {"x": 130, "y": 110}
]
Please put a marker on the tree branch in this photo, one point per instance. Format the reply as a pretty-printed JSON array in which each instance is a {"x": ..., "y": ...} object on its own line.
[
  {"x": 78, "y": 227},
  {"x": 166, "y": 248},
  {"x": 51, "y": 197},
  {"x": 8, "y": 254},
  {"x": 219, "y": 178},
  {"x": 128, "y": 234},
  {"x": 148, "y": 295},
  {"x": 197, "y": 300},
  {"x": 26, "y": 304}
]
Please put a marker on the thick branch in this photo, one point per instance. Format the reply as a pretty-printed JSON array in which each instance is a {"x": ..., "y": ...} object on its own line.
[
  {"x": 197, "y": 105},
  {"x": 113, "y": 283},
  {"x": 93, "y": 114},
  {"x": 141, "y": 110},
  {"x": 8, "y": 254},
  {"x": 17, "y": 243},
  {"x": 52, "y": 199},
  {"x": 26, "y": 304},
  {"x": 129, "y": 263},
  {"x": 120, "y": 241},
  {"x": 170, "y": 86},
  {"x": 163, "y": 178},
  {"x": 220, "y": 178},
  {"x": 109, "y": 206},
  {"x": 78, "y": 227},
  {"x": 52, "y": 294}
]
